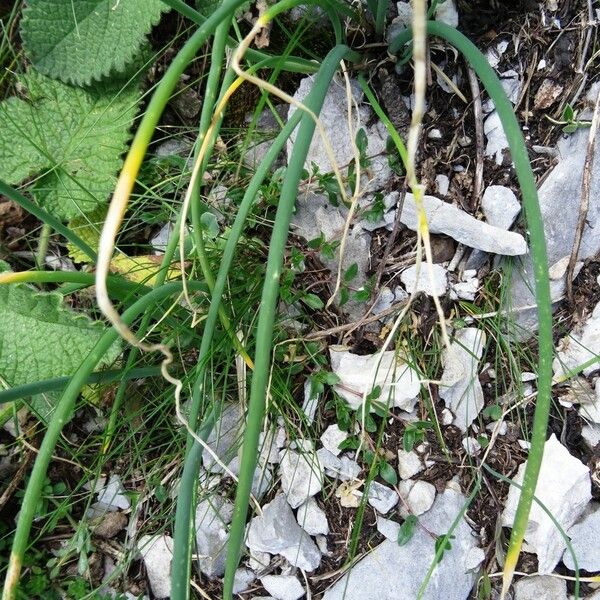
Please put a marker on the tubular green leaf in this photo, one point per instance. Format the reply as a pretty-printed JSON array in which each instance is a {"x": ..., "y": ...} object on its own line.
[{"x": 540, "y": 265}]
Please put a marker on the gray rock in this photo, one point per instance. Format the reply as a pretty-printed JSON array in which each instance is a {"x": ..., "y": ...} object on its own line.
[
  {"x": 276, "y": 531},
  {"x": 332, "y": 437},
  {"x": 283, "y": 587},
  {"x": 312, "y": 518},
  {"x": 417, "y": 497},
  {"x": 267, "y": 128},
  {"x": 224, "y": 440},
  {"x": 310, "y": 404},
  {"x": 334, "y": 118},
  {"x": 409, "y": 464},
  {"x": 462, "y": 227},
  {"x": 582, "y": 345},
  {"x": 497, "y": 142},
  {"x": 467, "y": 287},
  {"x": 446, "y": 12},
  {"x": 315, "y": 216},
  {"x": 301, "y": 475},
  {"x": 157, "y": 553},
  {"x": 564, "y": 487},
  {"x": 342, "y": 468},
  {"x": 560, "y": 223},
  {"x": 390, "y": 567},
  {"x": 388, "y": 528},
  {"x": 584, "y": 540},
  {"x": 242, "y": 580},
  {"x": 500, "y": 206},
  {"x": 541, "y": 587},
  {"x": 112, "y": 496},
  {"x": 358, "y": 375},
  {"x": 424, "y": 283},
  {"x": 459, "y": 387},
  {"x": 591, "y": 435},
  {"x": 443, "y": 184},
  {"x": 382, "y": 498},
  {"x": 213, "y": 515}
]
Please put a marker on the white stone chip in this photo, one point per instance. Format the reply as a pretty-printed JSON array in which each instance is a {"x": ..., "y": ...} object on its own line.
[
  {"x": 431, "y": 280},
  {"x": 382, "y": 498},
  {"x": 332, "y": 437},
  {"x": 500, "y": 206},
  {"x": 283, "y": 587},
  {"x": 312, "y": 518}
]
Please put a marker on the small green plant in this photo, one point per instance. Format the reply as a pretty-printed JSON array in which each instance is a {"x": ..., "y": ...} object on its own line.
[
  {"x": 569, "y": 120},
  {"x": 414, "y": 434}
]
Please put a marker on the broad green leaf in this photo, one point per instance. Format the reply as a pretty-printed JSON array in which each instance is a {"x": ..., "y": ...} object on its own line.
[
  {"x": 407, "y": 530},
  {"x": 71, "y": 138},
  {"x": 388, "y": 473},
  {"x": 40, "y": 338},
  {"x": 80, "y": 41}
]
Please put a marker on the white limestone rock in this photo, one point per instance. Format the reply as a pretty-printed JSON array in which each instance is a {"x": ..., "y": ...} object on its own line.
[
  {"x": 312, "y": 518},
  {"x": 112, "y": 496},
  {"x": 283, "y": 587},
  {"x": 584, "y": 540},
  {"x": 213, "y": 515},
  {"x": 447, "y": 219},
  {"x": 359, "y": 374},
  {"x": 332, "y": 437},
  {"x": 500, "y": 206},
  {"x": 342, "y": 468},
  {"x": 157, "y": 554},
  {"x": 409, "y": 464},
  {"x": 432, "y": 280},
  {"x": 224, "y": 440},
  {"x": 581, "y": 345},
  {"x": 390, "y": 567},
  {"x": 497, "y": 142},
  {"x": 446, "y": 12},
  {"x": 381, "y": 497},
  {"x": 276, "y": 531},
  {"x": 564, "y": 487},
  {"x": 541, "y": 587},
  {"x": 301, "y": 475},
  {"x": 459, "y": 386},
  {"x": 417, "y": 497}
]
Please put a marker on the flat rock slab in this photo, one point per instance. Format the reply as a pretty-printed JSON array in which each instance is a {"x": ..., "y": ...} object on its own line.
[
  {"x": 460, "y": 387},
  {"x": 391, "y": 571},
  {"x": 584, "y": 540},
  {"x": 564, "y": 487},
  {"x": 560, "y": 198},
  {"x": 400, "y": 384},
  {"x": 461, "y": 226},
  {"x": 276, "y": 531},
  {"x": 541, "y": 587}
]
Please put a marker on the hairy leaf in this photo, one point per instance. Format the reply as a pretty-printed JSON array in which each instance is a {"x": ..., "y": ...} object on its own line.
[
  {"x": 40, "y": 338},
  {"x": 71, "y": 138},
  {"x": 79, "y": 41}
]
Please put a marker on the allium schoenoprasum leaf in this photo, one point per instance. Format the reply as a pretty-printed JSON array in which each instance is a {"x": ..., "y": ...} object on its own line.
[
  {"x": 71, "y": 139},
  {"x": 80, "y": 41},
  {"x": 40, "y": 337}
]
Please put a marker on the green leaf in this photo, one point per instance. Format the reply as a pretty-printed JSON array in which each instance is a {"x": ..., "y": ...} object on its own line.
[
  {"x": 407, "y": 530},
  {"x": 351, "y": 272},
  {"x": 209, "y": 224},
  {"x": 313, "y": 301},
  {"x": 84, "y": 40},
  {"x": 568, "y": 113},
  {"x": 71, "y": 138},
  {"x": 40, "y": 338},
  {"x": 388, "y": 473}
]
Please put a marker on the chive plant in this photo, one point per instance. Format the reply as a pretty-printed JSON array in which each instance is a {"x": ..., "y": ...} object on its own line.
[{"x": 221, "y": 84}]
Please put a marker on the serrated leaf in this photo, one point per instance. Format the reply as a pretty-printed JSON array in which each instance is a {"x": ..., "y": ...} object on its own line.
[
  {"x": 71, "y": 138},
  {"x": 84, "y": 40},
  {"x": 40, "y": 338}
]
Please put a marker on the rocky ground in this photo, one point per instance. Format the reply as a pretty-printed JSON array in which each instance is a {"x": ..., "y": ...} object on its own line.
[{"x": 421, "y": 466}]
